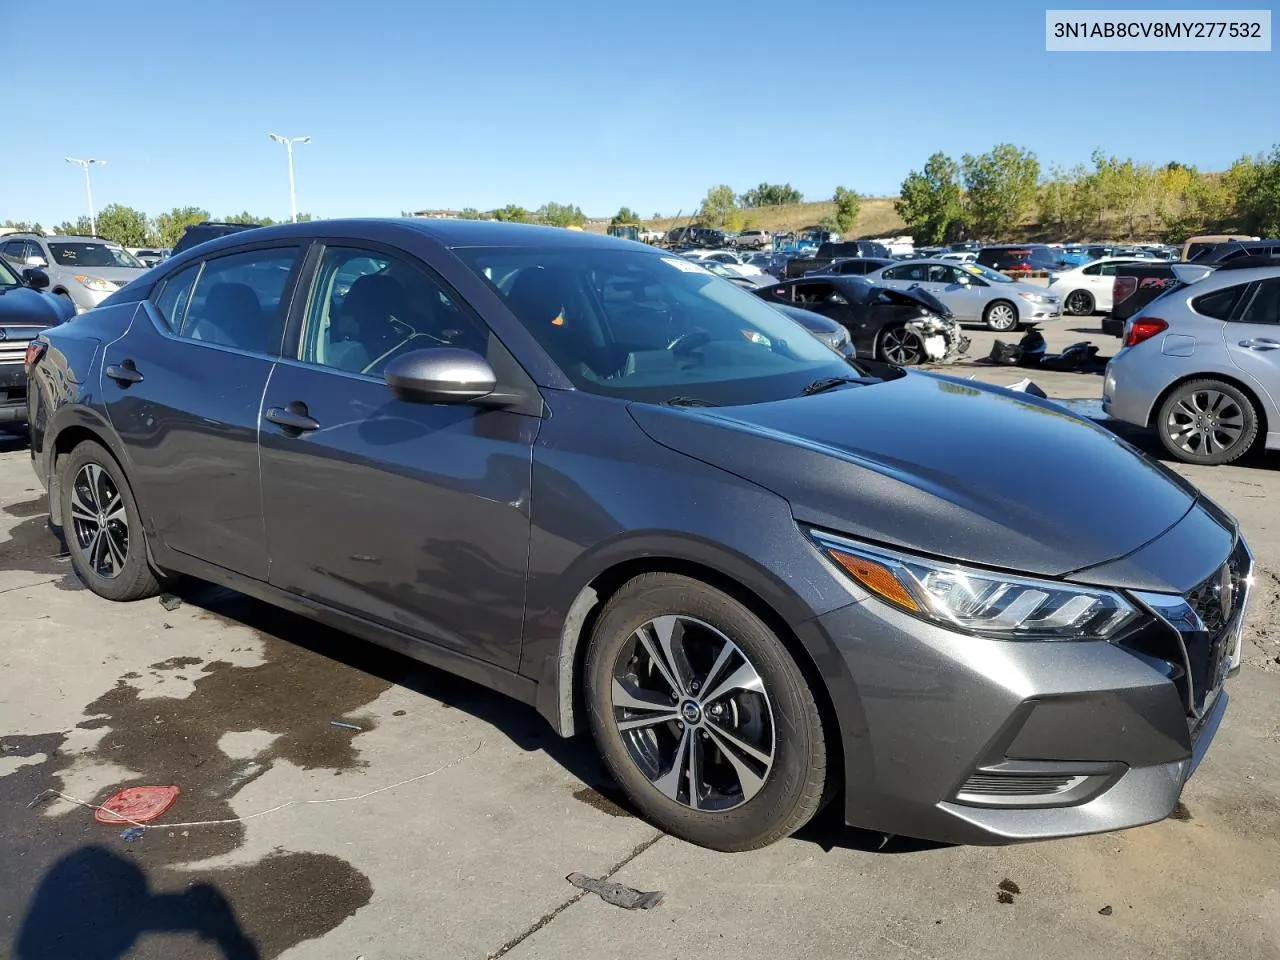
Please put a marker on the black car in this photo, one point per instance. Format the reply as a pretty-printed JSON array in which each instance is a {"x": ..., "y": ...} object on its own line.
[
  {"x": 884, "y": 324},
  {"x": 833, "y": 334},
  {"x": 853, "y": 266},
  {"x": 25, "y": 311},
  {"x": 208, "y": 230},
  {"x": 1020, "y": 258}
]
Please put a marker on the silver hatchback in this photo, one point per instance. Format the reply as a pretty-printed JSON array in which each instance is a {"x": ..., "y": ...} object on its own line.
[
  {"x": 974, "y": 293},
  {"x": 1201, "y": 364},
  {"x": 85, "y": 270}
]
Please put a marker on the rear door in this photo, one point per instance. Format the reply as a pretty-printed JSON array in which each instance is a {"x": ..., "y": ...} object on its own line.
[
  {"x": 183, "y": 388},
  {"x": 1253, "y": 336},
  {"x": 412, "y": 515}
]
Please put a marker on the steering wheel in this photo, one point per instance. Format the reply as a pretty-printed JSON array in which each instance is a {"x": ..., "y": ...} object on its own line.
[{"x": 688, "y": 342}]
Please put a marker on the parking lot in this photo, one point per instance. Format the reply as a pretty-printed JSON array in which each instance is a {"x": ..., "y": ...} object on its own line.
[{"x": 235, "y": 703}]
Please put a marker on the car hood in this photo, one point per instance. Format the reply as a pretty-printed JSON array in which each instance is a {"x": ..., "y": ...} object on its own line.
[
  {"x": 941, "y": 466},
  {"x": 25, "y": 307},
  {"x": 117, "y": 274},
  {"x": 917, "y": 297}
]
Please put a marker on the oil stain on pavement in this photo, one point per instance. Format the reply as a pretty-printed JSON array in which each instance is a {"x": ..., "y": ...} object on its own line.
[{"x": 71, "y": 887}]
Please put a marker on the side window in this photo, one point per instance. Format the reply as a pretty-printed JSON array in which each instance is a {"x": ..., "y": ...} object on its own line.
[
  {"x": 173, "y": 297},
  {"x": 1108, "y": 269},
  {"x": 240, "y": 300},
  {"x": 813, "y": 292},
  {"x": 13, "y": 252},
  {"x": 894, "y": 273},
  {"x": 1219, "y": 303},
  {"x": 1095, "y": 270},
  {"x": 1264, "y": 307},
  {"x": 367, "y": 308},
  {"x": 940, "y": 273}
]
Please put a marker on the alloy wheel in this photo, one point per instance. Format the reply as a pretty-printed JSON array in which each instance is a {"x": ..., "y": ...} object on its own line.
[
  {"x": 693, "y": 713},
  {"x": 1002, "y": 317},
  {"x": 899, "y": 345},
  {"x": 1205, "y": 422},
  {"x": 99, "y": 521},
  {"x": 1079, "y": 303}
]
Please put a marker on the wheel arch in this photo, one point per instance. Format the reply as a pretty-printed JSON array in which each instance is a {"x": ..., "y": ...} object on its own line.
[
  {"x": 1253, "y": 395},
  {"x": 73, "y": 426}
]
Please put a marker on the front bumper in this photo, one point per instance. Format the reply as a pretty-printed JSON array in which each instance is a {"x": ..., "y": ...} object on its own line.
[
  {"x": 958, "y": 739},
  {"x": 13, "y": 393}
]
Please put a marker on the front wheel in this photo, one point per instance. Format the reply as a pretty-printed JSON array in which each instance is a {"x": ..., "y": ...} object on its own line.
[
  {"x": 102, "y": 526},
  {"x": 702, "y": 716},
  {"x": 1079, "y": 303},
  {"x": 901, "y": 346},
  {"x": 1207, "y": 422},
  {"x": 1001, "y": 316}
]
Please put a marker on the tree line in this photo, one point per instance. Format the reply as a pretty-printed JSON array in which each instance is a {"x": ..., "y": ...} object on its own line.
[
  {"x": 130, "y": 227},
  {"x": 988, "y": 197},
  {"x": 549, "y": 214}
]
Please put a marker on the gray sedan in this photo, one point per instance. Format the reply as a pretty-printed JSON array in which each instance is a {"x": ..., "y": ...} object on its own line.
[{"x": 974, "y": 293}]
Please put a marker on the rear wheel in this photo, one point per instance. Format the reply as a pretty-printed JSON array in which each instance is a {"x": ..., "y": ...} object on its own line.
[
  {"x": 102, "y": 527},
  {"x": 702, "y": 716},
  {"x": 1207, "y": 422},
  {"x": 901, "y": 346},
  {"x": 1001, "y": 316},
  {"x": 1079, "y": 303}
]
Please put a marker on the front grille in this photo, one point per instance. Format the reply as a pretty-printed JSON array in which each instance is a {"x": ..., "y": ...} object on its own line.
[
  {"x": 1025, "y": 785},
  {"x": 13, "y": 351}
]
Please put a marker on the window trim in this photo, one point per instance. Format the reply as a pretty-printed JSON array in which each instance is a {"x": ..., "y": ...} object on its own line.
[
  {"x": 291, "y": 286},
  {"x": 1246, "y": 301},
  {"x": 1234, "y": 313}
]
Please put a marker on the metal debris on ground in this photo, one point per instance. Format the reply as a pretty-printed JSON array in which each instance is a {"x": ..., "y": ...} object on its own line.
[
  {"x": 170, "y": 602},
  {"x": 136, "y": 805},
  {"x": 616, "y": 893},
  {"x": 130, "y": 834},
  {"x": 345, "y": 726}
]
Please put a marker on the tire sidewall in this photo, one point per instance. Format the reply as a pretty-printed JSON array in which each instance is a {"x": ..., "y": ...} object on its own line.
[
  {"x": 1231, "y": 454},
  {"x": 799, "y": 743},
  {"x": 135, "y": 579},
  {"x": 991, "y": 309}
]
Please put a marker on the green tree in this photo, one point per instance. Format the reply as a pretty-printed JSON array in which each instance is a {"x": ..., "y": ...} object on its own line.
[
  {"x": 470, "y": 213},
  {"x": 247, "y": 217},
  {"x": 170, "y": 226},
  {"x": 930, "y": 202},
  {"x": 719, "y": 207},
  {"x": 125, "y": 225},
  {"x": 21, "y": 225},
  {"x": 1000, "y": 187},
  {"x": 511, "y": 213},
  {"x": 559, "y": 215},
  {"x": 770, "y": 195},
  {"x": 1256, "y": 185},
  {"x": 625, "y": 215},
  {"x": 81, "y": 228},
  {"x": 847, "y": 205}
]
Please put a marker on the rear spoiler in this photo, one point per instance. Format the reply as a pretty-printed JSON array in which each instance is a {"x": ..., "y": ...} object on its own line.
[{"x": 1191, "y": 272}]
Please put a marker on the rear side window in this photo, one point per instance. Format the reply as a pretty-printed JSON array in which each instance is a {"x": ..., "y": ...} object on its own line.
[
  {"x": 172, "y": 299},
  {"x": 1264, "y": 305},
  {"x": 239, "y": 300},
  {"x": 1219, "y": 303}
]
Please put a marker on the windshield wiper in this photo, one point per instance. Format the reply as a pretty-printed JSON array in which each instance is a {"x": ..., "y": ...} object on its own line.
[
  {"x": 689, "y": 402},
  {"x": 830, "y": 383}
]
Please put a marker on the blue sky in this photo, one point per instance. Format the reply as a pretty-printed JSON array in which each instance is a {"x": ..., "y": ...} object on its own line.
[{"x": 426, "y": 104}]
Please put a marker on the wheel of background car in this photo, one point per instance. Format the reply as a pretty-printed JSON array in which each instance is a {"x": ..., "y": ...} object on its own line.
[
  {"x": 64, "y": 295},
  {"x": 102, "y": 527},
  {"x": 1001, "y": 316},
  {"x": 901, "y": 346},
  {"x": 702, "y": 716},
  {"x": 1079, "y": 303},
  {"x": 1207, "y": 422}
]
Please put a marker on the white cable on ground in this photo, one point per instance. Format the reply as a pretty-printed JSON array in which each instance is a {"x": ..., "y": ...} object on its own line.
[{"x": 121, "y": 819}]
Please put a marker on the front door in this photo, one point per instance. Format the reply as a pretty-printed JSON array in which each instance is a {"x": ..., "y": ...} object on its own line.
[
  {"x": 413, "y": 515},
  {"x": 183, "y": 387},
  {"x": 1253, "y": 336},
  {"x": 958, "y": 290}
]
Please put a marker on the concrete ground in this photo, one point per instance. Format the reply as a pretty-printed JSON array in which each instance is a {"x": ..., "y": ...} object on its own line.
[{"x": 234, "y": 702}]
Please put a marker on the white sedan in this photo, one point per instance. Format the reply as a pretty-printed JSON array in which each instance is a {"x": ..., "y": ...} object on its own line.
[
  {"x": 1087, "y": 289},
  {"x": 727, "y": 257}
]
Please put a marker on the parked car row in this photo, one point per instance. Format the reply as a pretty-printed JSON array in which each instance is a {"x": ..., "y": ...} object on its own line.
[{"x": 760, "y": 574}]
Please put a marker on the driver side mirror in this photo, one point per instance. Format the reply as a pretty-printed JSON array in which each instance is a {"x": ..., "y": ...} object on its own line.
[
  {"x": 35, "y": 278},
  {"x": 445, "y": 375}
]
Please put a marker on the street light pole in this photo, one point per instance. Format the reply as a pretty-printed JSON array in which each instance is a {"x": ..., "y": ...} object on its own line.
[
  {"x": 88, "y": 189},
  {"x": 288, "y": 145}
]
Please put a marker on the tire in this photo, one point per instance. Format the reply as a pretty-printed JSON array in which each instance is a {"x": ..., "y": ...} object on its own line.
[
  {"x": 114, "y": 565},
  {"x": 742, "y": 801},
  {"x": 899, "y": 345},
  {"x": 1078, "y": 303},
  {"x": 1001, "y": 316},
  {"x": 1207, "y": 422}
]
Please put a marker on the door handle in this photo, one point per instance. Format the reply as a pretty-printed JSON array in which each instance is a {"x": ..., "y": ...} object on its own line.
[
  {"x": 124, "y": 373},
  {"x": 293, "y": 418},
  {"x": 1261, "y": 343}
]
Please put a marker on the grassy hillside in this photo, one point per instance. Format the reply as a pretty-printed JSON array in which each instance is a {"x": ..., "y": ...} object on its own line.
[{"x": 876, "y": 218}]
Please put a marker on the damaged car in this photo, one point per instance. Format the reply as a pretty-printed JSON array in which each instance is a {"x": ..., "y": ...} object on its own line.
[{"x": 905, "y": 327}]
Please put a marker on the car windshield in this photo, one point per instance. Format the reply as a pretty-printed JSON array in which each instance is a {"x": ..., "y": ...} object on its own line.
[
  {"x": 7, "y": 277},
  {"x": 986, "y": 273},
  {"x": 85, "y": 254},
  {"x": 648, "y": 327}
]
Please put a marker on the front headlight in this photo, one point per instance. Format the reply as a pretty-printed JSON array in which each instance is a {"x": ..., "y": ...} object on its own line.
[
  {"x": 96, "y": 284},
  {"x": 982, "y": 602},
  {"x": 1034, "y": 297}
]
